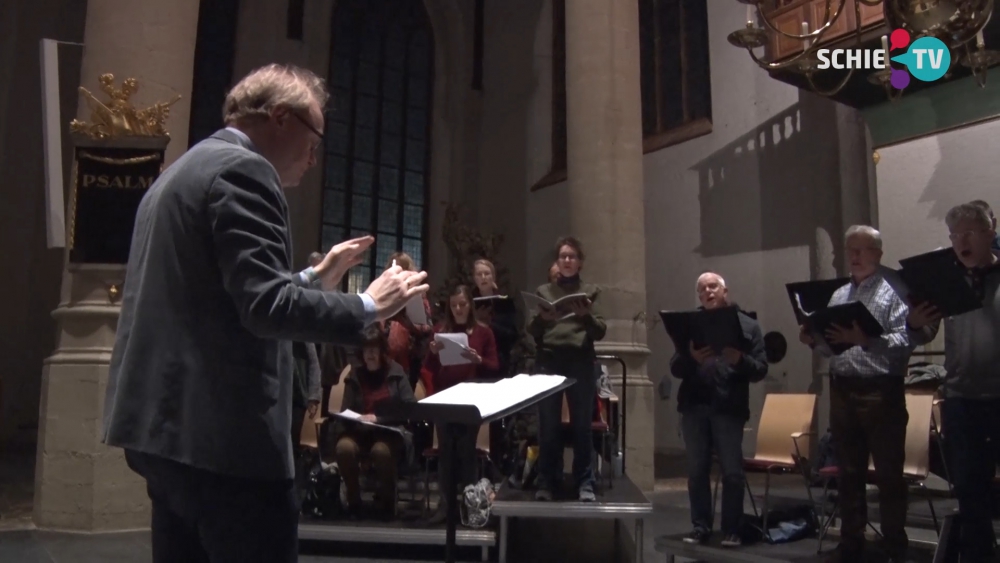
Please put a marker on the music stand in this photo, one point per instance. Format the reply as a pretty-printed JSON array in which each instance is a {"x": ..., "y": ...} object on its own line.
[{"x": 452, "y": 418}]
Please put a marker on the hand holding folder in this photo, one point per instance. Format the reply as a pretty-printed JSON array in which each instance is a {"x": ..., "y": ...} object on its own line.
[
  {"x": 840, "y": 327},
  {"x": 562, "y": 308},
  {"x": 936, "y": 278},
  {"x": 715, "y": 329}
]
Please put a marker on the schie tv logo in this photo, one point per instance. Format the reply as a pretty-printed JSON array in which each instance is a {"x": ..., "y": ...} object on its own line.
[{"x": 927, "y": 58}]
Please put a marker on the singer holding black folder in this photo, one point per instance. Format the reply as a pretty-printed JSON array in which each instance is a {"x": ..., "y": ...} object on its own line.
[
  {"x": 867, "y": 401},
  {"x": 566, "y": 347},
  {"x": 714, "y": 402},
  {"x": 970, "y": 412}
]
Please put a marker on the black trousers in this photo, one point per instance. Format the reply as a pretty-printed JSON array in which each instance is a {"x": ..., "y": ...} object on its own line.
[{"x": 205, "y": 517}]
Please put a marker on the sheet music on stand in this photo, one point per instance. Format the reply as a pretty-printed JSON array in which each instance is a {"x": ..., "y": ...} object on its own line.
[
  {"x": 464, "y": 408},
  {"x": 492, "y": 398}
]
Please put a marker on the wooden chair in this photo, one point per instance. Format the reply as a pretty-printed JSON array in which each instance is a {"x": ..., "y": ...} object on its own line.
[
  {"x": 783, "y": 441},
  {"x": 920, "y": 430},
  {"x": 312, "y": 427}
]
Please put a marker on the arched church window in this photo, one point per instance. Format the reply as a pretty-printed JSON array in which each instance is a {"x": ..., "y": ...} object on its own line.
[
  {"x": 376, "y": 162},
  {"x": 674, "y": 63}
]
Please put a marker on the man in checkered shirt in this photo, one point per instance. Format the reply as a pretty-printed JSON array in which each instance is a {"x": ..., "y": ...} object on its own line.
[{"x": 867, "y": 402}]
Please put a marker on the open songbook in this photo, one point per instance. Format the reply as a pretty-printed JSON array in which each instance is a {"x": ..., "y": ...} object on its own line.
[
  {"x": 935, "y": 277},
  {"x": 821, "y": 319},
  {"x": 356, "y": 418},
  {"x": 715, "y": 328},
  {"x": 561, "y": 305},
  {"x": 456, "y": 346},
  {"x": 492, "y": 398},
  {"x": 812, "y": 295}
]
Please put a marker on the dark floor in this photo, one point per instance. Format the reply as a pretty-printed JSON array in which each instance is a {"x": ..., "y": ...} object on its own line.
[{"x": 21, "y": 543}]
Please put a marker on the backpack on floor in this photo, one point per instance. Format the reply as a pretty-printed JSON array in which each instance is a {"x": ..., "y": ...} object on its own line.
[{"x": 322, "y": 492}]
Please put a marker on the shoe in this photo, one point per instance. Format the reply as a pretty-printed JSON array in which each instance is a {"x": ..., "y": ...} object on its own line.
[
  {"x": 698, "y": 536},
  {"x": 544, "y": 495},
  {"x": 731, "y": 540},
  {"x": 587, "y": 493}
]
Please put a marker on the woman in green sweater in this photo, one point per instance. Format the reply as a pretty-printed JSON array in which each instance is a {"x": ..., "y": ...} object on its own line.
[{"x": 566, "y": 347}]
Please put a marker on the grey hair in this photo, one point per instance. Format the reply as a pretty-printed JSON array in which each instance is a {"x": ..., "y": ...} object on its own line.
[
  {"x": 866, "y": 231},
  {"x": 722, "y": 282},
  {"x": 272, "y": 86},
  {"x": 968, "y": 211}
]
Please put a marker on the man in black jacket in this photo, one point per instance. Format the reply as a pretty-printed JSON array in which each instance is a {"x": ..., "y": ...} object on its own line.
[
  {"x": 714, "y": 402},
  {"x": 200, "y": 383}
]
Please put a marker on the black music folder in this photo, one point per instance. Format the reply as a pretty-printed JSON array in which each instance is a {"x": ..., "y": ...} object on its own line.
[
  {"x": 812, "y": 295},
  {"x": 818, "y": 320},
  {"x": 716, "y": 328},
  {"x": 499, "y": 303},
  {"x": 935, "y": 277}
]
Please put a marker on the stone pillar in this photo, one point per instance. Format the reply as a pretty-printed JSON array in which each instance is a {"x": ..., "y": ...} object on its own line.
[
  {"x": 80, "y": 484},
  {"x": 605, "y": 184}
]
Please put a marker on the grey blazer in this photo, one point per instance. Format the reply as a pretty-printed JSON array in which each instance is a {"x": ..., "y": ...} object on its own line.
[{"x": 201, "y": 371}]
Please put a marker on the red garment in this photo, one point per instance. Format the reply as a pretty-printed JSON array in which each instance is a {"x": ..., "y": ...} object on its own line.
[
  {"x": 374, "y": 395},
  {"x": 438, "y": 378},
  {"x": 402, "y": 334}
]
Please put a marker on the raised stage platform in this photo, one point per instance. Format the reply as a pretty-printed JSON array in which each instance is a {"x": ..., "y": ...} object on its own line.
[
  {"x": 396, "y": 532},
  {"x": 623, "y": 501}
]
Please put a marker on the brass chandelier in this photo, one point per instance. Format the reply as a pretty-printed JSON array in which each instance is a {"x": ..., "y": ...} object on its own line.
[{"x": 958, "y": 23}]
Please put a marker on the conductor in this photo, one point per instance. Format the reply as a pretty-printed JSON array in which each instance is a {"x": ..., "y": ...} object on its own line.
[{"x": 200, "y": 384}]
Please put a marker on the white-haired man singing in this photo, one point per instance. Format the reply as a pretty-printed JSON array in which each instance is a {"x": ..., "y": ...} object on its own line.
[{"x": 714, "y": 402}]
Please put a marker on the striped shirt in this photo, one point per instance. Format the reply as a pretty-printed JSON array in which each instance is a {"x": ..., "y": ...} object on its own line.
[{"x": 888, "y": 354}]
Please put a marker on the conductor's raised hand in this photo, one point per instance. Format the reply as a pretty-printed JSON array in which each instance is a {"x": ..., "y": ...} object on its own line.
[
  {"x": 341, "y": 258},
  {"x": 922, "y": 315},
  {"x": 393, "y": 289}
]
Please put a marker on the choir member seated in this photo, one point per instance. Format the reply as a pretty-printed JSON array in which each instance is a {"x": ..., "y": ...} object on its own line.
[{"x": 377, "y": 380}]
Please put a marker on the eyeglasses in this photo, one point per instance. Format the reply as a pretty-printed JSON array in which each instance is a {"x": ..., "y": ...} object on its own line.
[
  {"x": 962, "y": 235},
  {"x": 310, "y": 126}
]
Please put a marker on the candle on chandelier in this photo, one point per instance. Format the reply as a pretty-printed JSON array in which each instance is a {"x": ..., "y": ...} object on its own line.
[
  {"x": 980, "y": 42},
  {"x": 805, "y": 31},
  {"x": 749, "y": 15}
]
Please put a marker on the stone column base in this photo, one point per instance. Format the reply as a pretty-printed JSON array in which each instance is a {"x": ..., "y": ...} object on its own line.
[{"x": 81, "y": 484}]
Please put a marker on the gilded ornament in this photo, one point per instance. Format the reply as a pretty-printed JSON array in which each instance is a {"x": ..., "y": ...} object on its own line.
[
  {"x": 118, "y": 117},
  {"x": 876, "y": 157}
]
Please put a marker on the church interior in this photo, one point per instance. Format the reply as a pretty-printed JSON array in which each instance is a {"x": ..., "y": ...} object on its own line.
[{"x": 671, "y": 137}]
